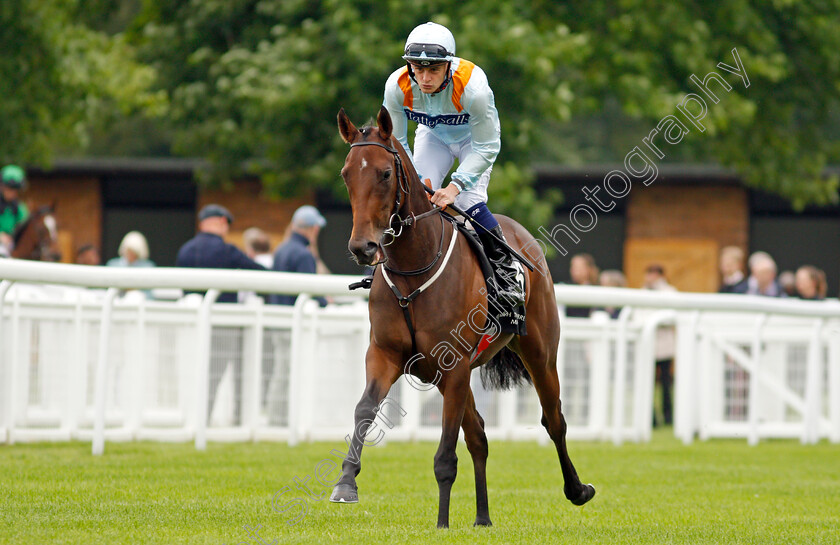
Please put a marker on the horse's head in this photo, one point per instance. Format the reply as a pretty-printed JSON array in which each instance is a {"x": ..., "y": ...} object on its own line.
[
  {"x": 37, "y": 237},
  {"x": 376, "y": 183}
]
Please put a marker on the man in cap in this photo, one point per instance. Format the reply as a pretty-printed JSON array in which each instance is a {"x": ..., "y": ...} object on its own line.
[
  {"x": 13, "y": 212},
  {"x": 299, "y": 252},
  {"x": 209, "y": 250}
]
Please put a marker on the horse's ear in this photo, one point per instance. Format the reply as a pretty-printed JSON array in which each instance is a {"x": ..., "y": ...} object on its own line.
[
  {"x": 348, "y": 131},
  {"x": 386, "y": 126}
]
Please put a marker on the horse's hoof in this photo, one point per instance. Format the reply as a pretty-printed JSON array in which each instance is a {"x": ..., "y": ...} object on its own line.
[
  {"x": 482, "y": 522},
  {"x": 585, "y": 495},
  {"x": 344, "y": 493}
]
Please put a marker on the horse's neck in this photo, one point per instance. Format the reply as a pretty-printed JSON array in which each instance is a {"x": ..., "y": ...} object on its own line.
[
  {"x": 27, "y": 242},
  {"x": 25, "y": 247}
]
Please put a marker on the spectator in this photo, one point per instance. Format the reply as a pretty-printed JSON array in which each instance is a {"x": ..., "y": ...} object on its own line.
[
  {"x": 787, "y": 280},
  {"x": 299, "y": 253},
  {"x": 88, "y": 254},
  {"x": 762, "y": 280},
  {"x": 612, "y": 278},
  {"x": 13, "y": 212},
  {"x": 665, "y": 346},
  {"x": 584, "y": 272},
  {"x": 810, "y": 283},
  {"x": 258, "y": 246},
  {"x": 133, "y": 252},
  {"x": 732, "y": 270},
  {"x": 209, "y": 250}
]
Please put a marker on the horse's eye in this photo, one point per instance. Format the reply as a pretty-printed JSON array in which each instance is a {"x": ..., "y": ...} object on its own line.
[{"x": 386, "y": 175}]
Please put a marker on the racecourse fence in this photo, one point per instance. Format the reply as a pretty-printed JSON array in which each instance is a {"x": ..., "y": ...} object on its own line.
[{"x": 80, "y": 359}]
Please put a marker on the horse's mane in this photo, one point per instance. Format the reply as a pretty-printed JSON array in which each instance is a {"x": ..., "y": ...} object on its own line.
[{"x": 21, "y": 229}]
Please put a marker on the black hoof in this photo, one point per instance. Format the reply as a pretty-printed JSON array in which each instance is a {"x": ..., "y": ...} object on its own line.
[
  {"x": 585, "y": 495},
  {"x": 344, "y": 493},
  {"x": 482, "y": 522}
]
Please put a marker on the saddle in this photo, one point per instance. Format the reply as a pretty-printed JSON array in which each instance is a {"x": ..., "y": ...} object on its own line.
[{"x": 511, "y": 317}]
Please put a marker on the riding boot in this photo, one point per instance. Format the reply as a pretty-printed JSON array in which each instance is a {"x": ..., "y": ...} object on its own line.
[{"x": 509, "y": 276}]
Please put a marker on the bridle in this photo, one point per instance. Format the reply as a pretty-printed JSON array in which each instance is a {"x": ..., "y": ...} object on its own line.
[{"x": 395, "y": 220}]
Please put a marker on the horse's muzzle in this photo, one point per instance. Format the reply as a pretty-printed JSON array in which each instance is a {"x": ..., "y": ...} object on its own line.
[{"x": 364, "y": 251}]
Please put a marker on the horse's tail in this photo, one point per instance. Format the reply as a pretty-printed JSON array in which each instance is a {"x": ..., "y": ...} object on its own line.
[{"x": 504, "y": 371}]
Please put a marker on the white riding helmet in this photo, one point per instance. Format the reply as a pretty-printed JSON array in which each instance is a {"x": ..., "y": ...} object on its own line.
[{"x": 429, "y": 43}]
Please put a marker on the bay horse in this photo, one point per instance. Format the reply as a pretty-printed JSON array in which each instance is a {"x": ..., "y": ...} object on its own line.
[
  {"x": 384, "y": 188},
  {"x": 37, "y": 237}
]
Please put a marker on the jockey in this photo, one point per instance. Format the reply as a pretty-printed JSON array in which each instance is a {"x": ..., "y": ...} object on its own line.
[
  {"x": 452, "y": 103},
  {"x": 13, "y": 212}
]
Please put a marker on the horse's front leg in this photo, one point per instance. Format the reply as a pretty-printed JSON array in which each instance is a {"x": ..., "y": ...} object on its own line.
[
  {"x": 455, "y": 389},
  {"x": 381, "y": 372},
  {"x": 476, "y": 439}
]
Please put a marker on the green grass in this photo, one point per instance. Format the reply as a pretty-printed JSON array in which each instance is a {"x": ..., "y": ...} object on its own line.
[{"x": 658, "y": 493}]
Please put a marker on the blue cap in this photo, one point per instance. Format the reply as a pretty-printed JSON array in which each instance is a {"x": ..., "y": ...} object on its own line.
[
  {"x": 213, "y": 210},
  {"x": 308, "y": 216}
]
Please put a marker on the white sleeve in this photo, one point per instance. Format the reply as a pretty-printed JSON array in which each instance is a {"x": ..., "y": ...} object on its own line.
[
  {"x": 393, "y": 103},
  {"x": 486, "y": 138}
]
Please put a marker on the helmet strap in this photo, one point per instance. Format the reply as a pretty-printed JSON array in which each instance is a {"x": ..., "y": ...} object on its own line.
[{"x": 447, "y": 79}]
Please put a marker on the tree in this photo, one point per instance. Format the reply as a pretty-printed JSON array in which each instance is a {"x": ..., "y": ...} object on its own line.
[
  {"x": 59, "y": 78},
  {"x": 778, "y": 133},
  {"x": 255, "y": 85}
]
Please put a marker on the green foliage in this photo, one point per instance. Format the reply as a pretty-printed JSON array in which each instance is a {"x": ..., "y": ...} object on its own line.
[
  {"x": 254, "y": 85},
  {"x": 512, "y": 193},
  {"x": 779, "y": 133},
  {"x": 59, "y": 78}
]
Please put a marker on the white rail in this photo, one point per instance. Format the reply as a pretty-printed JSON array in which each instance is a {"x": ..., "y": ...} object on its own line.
[{"x": 295, "y": 373}]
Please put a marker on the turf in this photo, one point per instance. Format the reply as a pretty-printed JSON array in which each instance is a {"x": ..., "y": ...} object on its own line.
[{"x": 661, "y": 492}]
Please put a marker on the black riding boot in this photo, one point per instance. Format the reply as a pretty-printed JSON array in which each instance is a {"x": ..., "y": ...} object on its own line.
[{"x": 508, "y": 273}]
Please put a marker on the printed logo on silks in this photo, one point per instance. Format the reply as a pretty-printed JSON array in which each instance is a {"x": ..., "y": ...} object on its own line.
[{"x": 433, "y": 121}]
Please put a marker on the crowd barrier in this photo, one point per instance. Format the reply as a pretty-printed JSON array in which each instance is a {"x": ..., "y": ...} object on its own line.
[{"x": 83, "y": 358}]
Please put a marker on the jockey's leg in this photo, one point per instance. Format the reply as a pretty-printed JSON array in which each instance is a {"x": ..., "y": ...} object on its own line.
[
  {"x": 508, "y": 272},
  {"x": 432, "y": 158}
]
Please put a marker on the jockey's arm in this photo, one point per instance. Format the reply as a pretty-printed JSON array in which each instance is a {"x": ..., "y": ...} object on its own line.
[
  {"x": 486, "y": 139},
  {"x": 393, "y": 103}
]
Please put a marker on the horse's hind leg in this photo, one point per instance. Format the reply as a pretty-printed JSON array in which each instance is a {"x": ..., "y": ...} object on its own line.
[
  {"x": 540, "y": 356},
  {"x": 476, "y": 439}
]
